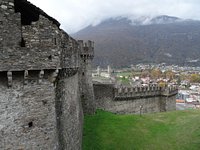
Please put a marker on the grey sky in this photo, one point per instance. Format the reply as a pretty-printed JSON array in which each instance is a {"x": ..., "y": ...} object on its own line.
[{"x": 77, "y": 14}]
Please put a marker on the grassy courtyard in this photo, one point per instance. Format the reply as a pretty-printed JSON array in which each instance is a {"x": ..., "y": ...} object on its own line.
[{"x": 177, "y": 130}]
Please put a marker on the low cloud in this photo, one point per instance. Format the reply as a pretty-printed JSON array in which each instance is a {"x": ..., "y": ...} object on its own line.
[{"x": 77, "y": 14}]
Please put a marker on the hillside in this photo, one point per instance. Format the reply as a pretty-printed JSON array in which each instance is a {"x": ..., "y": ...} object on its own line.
[
  {"x": 177, "y": 130},
  {"x": 121, "y": 42}
]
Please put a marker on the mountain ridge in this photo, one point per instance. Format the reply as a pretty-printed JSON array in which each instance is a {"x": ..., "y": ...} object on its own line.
[{"x": 118, "y": 42}]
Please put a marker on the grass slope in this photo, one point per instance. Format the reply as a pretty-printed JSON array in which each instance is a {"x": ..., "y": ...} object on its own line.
[{"x": 177, "y": 130}]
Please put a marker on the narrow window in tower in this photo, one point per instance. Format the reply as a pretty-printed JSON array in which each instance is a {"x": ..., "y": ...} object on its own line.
[
  {"x": 50, "y": 57},
  {"x": 82, "y": 96},
  {"x": 55, "y": 41},
  {"x": 23, "y": 42},
  {"x": 30, "y": 124}
]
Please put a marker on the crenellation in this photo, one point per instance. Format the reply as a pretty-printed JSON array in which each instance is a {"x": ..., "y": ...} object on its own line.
[
  {"x": 151, "y": 88},
  {"x": 135, "y": 89},
  {"x": 143, "y": 91},
  {"x": 129, "y": 99},
  {"x": 87, "y": 49},
  {"x": 31, "y": 45},
  {"x": 70, "y": 52},
  {"x": 80, "y": 43}
]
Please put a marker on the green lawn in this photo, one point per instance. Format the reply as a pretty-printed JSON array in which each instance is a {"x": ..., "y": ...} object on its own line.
[
  {"x": 128, "y": 73},
  {"x": 177, "y": 130},
  {"x": 124, "y": 81}
]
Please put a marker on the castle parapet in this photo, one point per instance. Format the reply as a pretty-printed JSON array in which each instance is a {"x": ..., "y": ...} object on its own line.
[
  {"x": 170, "y": 91},
  {"x": 86, "y": 49},
  {"x": 123, "y": 93},
  {"x": 35, "y": 41},
  {"x": 70, "y": 52}
]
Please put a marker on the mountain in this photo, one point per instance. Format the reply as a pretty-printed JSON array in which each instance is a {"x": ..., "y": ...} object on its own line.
[
  {"x": 156, "y": 20},
  {"x": 164, "y": 39}
]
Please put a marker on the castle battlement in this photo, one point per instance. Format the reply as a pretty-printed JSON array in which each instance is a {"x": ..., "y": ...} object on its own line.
[
  {"x": 138, "y": 92},
  {"x": 170, "y": 91},
  {"x": 35, "y": 41},
  {"x": 125, "y": 100},
  {"x": 86, "y": 49}
]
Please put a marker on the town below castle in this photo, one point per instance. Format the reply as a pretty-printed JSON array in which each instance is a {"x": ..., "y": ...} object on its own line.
[{"x": 184, "y": 78}]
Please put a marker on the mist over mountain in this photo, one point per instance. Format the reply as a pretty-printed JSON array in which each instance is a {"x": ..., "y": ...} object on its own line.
[
  {"x": 145, "y": 20},
  {"x": 164, "y": 39}
]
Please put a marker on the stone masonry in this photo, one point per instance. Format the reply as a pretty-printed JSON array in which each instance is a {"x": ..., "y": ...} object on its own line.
[
  {"x": 126, "y": 100},
  {"x": 87, "y": 93},
  {"x": 46, "y": 83},
  {"x": 40, "y": 80}
]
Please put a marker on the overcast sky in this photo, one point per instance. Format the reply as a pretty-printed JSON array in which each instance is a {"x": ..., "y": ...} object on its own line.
[{"x": 77, "y": 14}]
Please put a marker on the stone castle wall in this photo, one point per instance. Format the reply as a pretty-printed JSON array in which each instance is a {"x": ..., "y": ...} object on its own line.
[
  {"x": 69, "y": 110},
  {"x": 40, "y": 80},
  {"x": 27, "y": 112},
  {"x": 43, "y": 43},
  {"x": 38, "y": 45},
  {"x": 10, "y": 31},
  {"x": 45, "y": 79},
  {"x": 125, "y": 100}
]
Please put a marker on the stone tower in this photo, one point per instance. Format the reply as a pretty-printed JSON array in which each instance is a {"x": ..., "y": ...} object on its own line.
[
  {"x": 109, "y": 71},
  {"x": 40, "y": 99},
  {"x": 87, "y": 93},
  {"x": 98, "y": 71}
]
